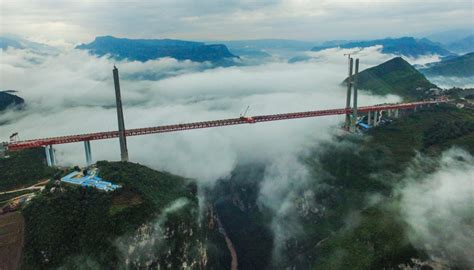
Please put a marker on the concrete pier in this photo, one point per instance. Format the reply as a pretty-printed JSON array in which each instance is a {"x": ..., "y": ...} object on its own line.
[{"x": 87, "y": 148}]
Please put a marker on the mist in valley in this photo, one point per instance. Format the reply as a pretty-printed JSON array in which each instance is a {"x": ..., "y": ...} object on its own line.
[{"x": 72, "y": 93}]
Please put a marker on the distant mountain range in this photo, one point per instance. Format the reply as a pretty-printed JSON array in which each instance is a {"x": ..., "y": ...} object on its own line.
[
  {"x": 10, "y": 41},
  {"x": 406, "y": 46},
  {"x": 464, "y": 45},
  {"x": 395, "y": 76},
  {"x": 450, "y": 36},
  {"x": 149, "y": 49},
  {"x": 461, "y": 66},
  {"x": 9, "y": 100}
]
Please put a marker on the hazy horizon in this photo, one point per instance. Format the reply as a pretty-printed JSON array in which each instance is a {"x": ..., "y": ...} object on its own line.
[{"x": 66, "y": 23}]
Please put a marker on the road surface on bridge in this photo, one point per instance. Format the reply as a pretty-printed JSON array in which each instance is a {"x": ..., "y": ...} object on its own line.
[{"x": 13, "y": 146}]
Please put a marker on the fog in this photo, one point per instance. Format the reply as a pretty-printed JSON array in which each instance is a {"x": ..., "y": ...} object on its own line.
[
  {"x": 72, "y": 93},
  {"x": 438, "y": 206}
]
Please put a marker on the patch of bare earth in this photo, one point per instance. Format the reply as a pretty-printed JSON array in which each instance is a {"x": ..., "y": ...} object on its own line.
[{"x": 11, "y": 240}]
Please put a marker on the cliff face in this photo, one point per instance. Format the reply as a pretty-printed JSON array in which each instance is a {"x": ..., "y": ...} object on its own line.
[{"x": 149, "y": 49}]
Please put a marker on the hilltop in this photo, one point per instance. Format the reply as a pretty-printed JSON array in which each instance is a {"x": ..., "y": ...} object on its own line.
[
  {"x": 133, "y": 227},
  {"x": 461, "y": 66},
  {"x": 9, "y": 100},
  {"x": 406, "y": 46},
  {"x": 395, "y": 76},
  {"x": 149, "y": 49}
]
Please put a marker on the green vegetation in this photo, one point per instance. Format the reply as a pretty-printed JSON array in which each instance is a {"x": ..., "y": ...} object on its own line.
[
  {"x": 395, "y": 76},
  {"x": 462, "y": 66},
  {"x": 430, "y": 130},
  {"x": 71, "y": 222},
  {"x": 23, "y": 168},
  {"x": 358, "y": 225}
]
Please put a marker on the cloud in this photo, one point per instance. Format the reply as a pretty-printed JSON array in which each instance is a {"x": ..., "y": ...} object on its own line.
[
  {"x": 140, "y": 248},
  {"x": 449, "y": 82},
  {"x": 439, "y": 208},
  {"x": 70, "y": 21},
  {"x": 72, "y": 93}
]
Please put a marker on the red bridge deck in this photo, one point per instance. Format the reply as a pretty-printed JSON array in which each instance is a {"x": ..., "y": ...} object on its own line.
[{"x": 13, "y": 146}]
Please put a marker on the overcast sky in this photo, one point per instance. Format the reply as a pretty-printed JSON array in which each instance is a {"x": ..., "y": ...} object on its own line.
[{"x": 75, "y": 21}]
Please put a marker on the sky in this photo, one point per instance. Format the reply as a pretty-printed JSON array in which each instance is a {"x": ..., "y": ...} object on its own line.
[{"x": 69, "y": 22}]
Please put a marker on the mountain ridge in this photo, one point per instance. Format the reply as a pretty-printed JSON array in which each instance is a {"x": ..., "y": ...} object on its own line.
[
  {"x": 149, "y": 49},
  {"x": 461, "y": 66},
  {"x": 395, "y": 76},
  {"x": 407, "y": 46}
]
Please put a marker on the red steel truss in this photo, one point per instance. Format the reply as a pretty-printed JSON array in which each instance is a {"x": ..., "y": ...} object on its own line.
[{"x": 13, "y": 146}]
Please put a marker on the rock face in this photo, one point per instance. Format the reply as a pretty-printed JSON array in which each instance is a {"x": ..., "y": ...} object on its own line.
[
  {"x": 149, "y": 49},
  {"x": 406, "y": 46},
  {"x": 8, "y": 100},
  {"x": 462, "y": 66},
  {"x": 395, "y": 76}
]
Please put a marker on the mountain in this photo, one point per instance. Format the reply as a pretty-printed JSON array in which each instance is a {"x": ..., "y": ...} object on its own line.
[
  {"x": 269, "y": 44},
  {"x": 462, "y": 66},
  {"x": 406, "y": 46},
  {"x": 463, "y": 45},
  {"x": 395, "y": 76},
  {"x": 8, "y": 100},
  {"x": 153, "y": 215},
  {"x": 12, "y": 41},
  {"x": 447, "y": 37},
  {"x": 149, "y": 49},
  {"x": 265, "y": 48}
]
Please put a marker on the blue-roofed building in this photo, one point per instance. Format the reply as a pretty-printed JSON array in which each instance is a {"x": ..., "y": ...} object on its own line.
[{"x": 89, "y": 180}]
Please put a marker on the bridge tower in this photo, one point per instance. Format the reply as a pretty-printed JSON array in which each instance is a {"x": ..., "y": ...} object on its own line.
[
  {"x": 121, "y": 123},
  {"x": 354, "y": 109},
  {"x": 349, "y": 92}
]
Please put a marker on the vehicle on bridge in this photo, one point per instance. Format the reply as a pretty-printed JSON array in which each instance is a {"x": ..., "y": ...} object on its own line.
[{"x": 247, "y": 119}]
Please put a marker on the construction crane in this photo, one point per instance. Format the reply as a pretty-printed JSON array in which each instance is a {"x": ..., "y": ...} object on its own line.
[{"x": 247, "y": 119}]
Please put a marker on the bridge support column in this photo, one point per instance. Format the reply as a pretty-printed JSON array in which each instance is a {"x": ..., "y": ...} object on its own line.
[
  {"x": 87, "y": 147},
  {"x": 389, "y": 112},
  {"x": 397, "y": 113},
  {"x": 50, "y": 158},
  {"x": 376, "y": 117},
  {"x": 369, "y": 116}
]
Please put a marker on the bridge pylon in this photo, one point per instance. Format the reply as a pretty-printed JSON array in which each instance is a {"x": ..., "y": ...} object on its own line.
[
  {"x": 121, "y": 123},
  {"x": 349, "y": 93},
  {"x": 354, "y": 108}
]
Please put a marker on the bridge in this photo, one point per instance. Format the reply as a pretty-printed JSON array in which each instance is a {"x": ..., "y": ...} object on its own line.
[{"x": 122, "y": 133}]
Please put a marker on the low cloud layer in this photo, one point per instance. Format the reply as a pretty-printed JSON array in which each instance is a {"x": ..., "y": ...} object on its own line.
[
  {"x": 439, "y": 208},
  {"x": 73, "y": 93}
]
